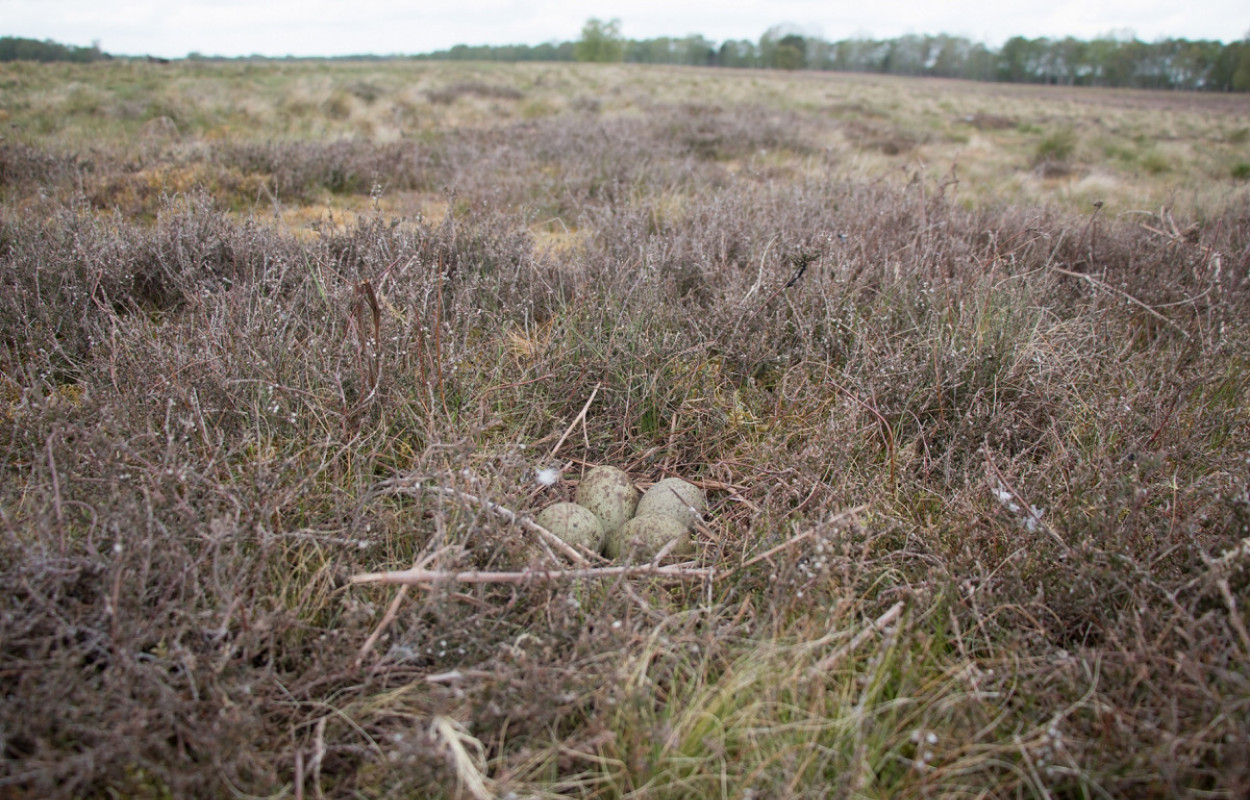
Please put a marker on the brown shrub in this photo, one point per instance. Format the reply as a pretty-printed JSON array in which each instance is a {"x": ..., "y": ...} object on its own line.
[{"x": 201, "y": 419}]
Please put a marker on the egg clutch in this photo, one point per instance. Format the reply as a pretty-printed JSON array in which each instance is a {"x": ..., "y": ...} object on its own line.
[{"x": 611, "y": 517}]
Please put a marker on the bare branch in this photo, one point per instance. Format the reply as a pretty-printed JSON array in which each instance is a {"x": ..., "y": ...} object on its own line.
[
  {"x": 425, "y": 576},
  {"x": 880, "y": 623},
  {"x": 546, "y": 536}
]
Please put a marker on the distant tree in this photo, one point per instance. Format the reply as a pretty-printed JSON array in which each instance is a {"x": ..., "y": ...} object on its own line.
[
  {"x": 980, "y": 65},
  {"x": 1112, "y": 61},
  {"x": 560, "y": 51},
  {"x": 907, "y": 55},
  {"x": 697, "y": 51},
  {"x": 770, "y": 46},
  {"x": 1013, "y": 60},
  {"x": 1117, "y": 58},
  {"x": 740, "y": 53},
  {"x": 819, "y": 53},
  {"x": 648, "y": 51},
  {"x": 693, "y": 50},
  {"x": 601, "y": 41},
  {"x": 948, "y": 54},
  {"x": 859, "y": 55},
  {"x": 1071, "y": 60},
  {"x": 791, "y": 52},
  {"x": 13, "y": 48},
  {"x": 1240, "y": 57},
  {"x": 1192, "y": 64}
]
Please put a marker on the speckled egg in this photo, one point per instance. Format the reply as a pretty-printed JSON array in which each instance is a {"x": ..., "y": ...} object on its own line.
[
  {"x": 644, "y": 535},
  {"x": 572, "y": 523},
  {"x": 610, "y": 495},
  {"x": 675, "y": 498}
]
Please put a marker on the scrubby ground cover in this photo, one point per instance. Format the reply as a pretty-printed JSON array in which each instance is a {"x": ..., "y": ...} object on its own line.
[{"x": 976, "y": 448}]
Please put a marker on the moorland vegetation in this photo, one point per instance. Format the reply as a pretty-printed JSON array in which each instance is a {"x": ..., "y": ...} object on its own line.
[{"x": 962, "y": 373}]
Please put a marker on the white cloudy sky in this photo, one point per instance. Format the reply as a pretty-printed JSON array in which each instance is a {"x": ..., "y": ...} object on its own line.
[{"x": 336, "y": 27}]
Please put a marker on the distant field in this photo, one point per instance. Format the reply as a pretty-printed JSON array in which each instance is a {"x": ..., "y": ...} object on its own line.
[
  {"x": 961, "y": 367},
  {"x": 1133, "y": 150}
]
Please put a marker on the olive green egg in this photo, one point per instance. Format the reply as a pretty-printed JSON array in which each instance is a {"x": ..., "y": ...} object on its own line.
[
  {"x": 675, "y": 498},
  {"x": 644, "y": 535},
  {"x": 610, "y": 495},
  {"x": 572, "y": 523}
]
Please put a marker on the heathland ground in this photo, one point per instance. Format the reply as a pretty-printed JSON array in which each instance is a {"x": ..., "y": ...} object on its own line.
[{"x": 962, "y": 368}]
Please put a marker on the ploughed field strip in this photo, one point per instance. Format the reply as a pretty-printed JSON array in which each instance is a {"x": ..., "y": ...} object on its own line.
[{"x": 332, "y": 397}]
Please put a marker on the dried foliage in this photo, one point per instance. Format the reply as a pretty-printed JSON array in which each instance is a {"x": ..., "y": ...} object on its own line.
[{"x": 1025, "y": 424}]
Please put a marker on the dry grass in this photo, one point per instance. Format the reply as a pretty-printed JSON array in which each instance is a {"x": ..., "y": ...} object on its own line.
[{"x": 976, "y": 449}]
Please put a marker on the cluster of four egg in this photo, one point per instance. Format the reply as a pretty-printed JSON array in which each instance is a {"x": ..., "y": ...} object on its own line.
[{"x": 609, "y": 516}]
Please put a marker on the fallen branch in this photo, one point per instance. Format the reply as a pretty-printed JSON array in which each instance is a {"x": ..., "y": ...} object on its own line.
[
  {"x": 881, "y": 622},
  {"x": 391, "y": 612},
  {"x": 1109, "y": 288},
  {"x": 581, "y": 417},
  {"x": 793, "y": 540},
  {"x": 546, "y": 536},
  {"x": 423, "y": 576}
]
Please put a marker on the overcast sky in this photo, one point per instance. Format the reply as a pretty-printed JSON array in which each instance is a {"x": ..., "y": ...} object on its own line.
[{"x": 174, "y": 28}]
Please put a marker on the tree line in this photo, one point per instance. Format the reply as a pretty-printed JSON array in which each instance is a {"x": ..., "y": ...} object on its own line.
[
  {"x": 13, "y": 48},
  {"x": 1113, "y": 60}
]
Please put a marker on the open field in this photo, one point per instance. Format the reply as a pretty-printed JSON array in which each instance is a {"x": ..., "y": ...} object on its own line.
[{"x": 962, "y": 368}]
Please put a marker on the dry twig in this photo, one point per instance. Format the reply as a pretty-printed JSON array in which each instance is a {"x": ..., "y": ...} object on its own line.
[
  {"x": 880, "y": 623},
  {"x": 426, "y": 576},
  {"x": 581, "y": 417},
  {"x": 1109, "y": 288},
  {"x": 391, "y": 612},
  {"x": 793, "y": 540},
  {"x": 397, "y": 486}
]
